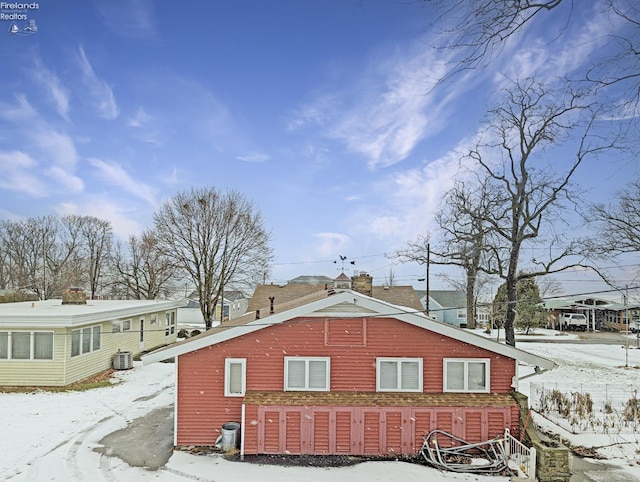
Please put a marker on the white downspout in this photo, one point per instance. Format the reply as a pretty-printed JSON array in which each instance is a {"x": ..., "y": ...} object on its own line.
[
  {"x": 175, "y": 405},
  {"x": 242, "y": 425}
]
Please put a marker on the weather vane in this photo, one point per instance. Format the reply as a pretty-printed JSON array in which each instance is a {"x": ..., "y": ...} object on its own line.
[{"x": 342, "y": 260}]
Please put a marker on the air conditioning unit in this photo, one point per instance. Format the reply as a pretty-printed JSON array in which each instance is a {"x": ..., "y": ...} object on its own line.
[{"x": 123, "y": 360}]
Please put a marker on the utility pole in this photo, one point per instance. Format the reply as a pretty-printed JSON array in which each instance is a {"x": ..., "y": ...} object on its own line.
[{"x": 426, "y": 279}]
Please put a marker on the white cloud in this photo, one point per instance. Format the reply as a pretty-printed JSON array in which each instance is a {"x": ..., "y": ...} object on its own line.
[
  {"x": 552, "y": 61},
  {"x": 20, "y": 112},
  {"x": 54, "y": 150},
  {"x": 119, "y": 215},
  {"x": 128, "y": 18},
  {"x": 329, "y": 244},
  {"x": 139, "y": 119},
  {"x": 391, "y": 108},
  {"x": 101, "y": 93},
  {"x": 408, "y": 200},
  {"x": 66, "y": 180},
  {"x": 114, "y": 174},
  {"x": 57, "y": 146},
  {"x": 17, "y": 174},
  {"x": 255, "y": 156},
  {"x": 58, "y": 93}
]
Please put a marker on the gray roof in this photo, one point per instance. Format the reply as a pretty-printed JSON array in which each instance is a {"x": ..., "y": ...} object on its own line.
[{"x": 449, "y": 298}]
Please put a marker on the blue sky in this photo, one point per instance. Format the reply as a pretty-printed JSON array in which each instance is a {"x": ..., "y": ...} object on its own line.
[{"x": 321, "y": 112}]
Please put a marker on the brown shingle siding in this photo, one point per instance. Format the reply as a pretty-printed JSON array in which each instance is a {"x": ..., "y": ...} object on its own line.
[{"x": 387, "y": 399}]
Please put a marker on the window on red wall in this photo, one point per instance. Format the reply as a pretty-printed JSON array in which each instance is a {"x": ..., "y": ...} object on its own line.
[
  {"x": 466, "y": 375},
  {"x": 306, "y": 373},
  {"x": 399, "y": 374},
  {"x": 235, "y": 370}
]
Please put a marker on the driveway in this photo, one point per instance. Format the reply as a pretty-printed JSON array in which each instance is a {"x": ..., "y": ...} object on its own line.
[{"x": 146, "y": 442}]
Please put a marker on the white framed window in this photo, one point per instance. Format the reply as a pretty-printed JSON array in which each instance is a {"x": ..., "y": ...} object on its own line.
[
  {"x": 235, "y": 377},
  {"x": 307, "y": 373},
  {"x": 85, "y": 340},
  {"x": 170, "y": 323},
  {"x": 121, "y": 326},
  {"x": 26, "y": 345},
  {"x": 154, "y": 320},
  {"x": 466, "y": 375},
  {"x": 399, "y": 374},
  {"x": 462, "y": 314}
]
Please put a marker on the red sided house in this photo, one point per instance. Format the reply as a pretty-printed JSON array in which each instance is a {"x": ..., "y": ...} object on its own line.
[{"x": 338, "y": 372}]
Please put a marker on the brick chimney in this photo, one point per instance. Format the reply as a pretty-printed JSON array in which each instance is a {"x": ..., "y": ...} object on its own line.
[
  {"x": 74, "y": 296},
  {"x": 362, "y": 283}
]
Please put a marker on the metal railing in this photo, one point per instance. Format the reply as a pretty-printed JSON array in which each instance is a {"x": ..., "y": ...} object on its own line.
[{"x": 523, "y": 457}]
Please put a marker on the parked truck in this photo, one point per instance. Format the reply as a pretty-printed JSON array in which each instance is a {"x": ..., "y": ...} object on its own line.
[{"x": 573, "y": 321}]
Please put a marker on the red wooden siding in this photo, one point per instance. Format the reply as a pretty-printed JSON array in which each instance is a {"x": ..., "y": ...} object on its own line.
[
  {"x": 369, "y": 430},
  {"x": 353, "y": 346}
]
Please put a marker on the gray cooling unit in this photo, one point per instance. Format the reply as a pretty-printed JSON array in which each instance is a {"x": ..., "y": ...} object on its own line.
[{"x": 123, "y": 360}]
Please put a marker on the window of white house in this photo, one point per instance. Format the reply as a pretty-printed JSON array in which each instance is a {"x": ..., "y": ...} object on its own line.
[
  {"x": 462, "y": 314},
  {"x": 120, "y": 326},
  {"x": 471, "y": 375},
  {"x": 25, "y": 345},
  {"x": 154, "y": 319},
  {"x": 4, "y": 345},
  {"x": 170, "y": 323},
  {"x": 43, "y": 346},
  {"x": 85, "y": 340},
  {"x": 399, "y": 374},
  {"x": 235, "y": 370},
  {"x": 309, "y": 374}
]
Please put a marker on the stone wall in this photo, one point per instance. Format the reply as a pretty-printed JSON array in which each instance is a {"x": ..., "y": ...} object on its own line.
[{"x": 552, "y": 462}]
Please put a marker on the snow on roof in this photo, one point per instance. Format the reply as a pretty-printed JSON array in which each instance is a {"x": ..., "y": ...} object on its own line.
[{"x": 52, "y": 313}]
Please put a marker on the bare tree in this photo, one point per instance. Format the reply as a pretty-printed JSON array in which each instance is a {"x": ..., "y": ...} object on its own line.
[
  {"x": 390, "y": 279},
  {"x": 217, "y": 238},
  {"x": 479, "y": 29},
  {"x": 530, "y": 195},
  {"x": 142, "y": 270},
  {"x": 618, "y": 227},
  {"x": 29, "y": 243},
  {"x": 461, "y": 237},
  {"x": 96, "y": 240}
]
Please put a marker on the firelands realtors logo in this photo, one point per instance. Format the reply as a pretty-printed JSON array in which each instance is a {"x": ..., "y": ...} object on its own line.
[{"x": 19, "y": 17}]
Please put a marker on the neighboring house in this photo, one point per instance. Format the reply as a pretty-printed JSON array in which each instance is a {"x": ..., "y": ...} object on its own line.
[
  {"x": 235, "y": 304},
  {"x": 600, "y": 312},
  {"x": 339, "y": 372},
  {"x": 232, "y": 306},
  {"x": 58, "y": 342},
  {"x": 448, "y": 306}
]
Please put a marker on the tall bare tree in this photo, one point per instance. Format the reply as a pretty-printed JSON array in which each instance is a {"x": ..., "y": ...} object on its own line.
[
  {"x": 218, "y": 238},
  {"x": 142, "y": 270},
  {"x": 531, "y": 194}
]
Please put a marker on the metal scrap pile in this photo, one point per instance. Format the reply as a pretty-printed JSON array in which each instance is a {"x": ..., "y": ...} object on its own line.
[{"x": 446, "y": 451}]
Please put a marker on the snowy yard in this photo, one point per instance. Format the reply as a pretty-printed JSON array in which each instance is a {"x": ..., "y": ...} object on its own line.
[{"x": 52, "y": 436}]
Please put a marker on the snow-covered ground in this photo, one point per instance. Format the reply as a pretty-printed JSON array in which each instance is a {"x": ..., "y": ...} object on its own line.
[{"x": 52, "y": 436}]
